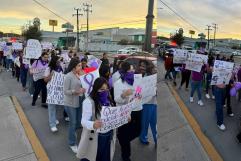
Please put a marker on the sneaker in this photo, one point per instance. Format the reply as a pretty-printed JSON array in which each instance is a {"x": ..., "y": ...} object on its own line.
[
  {"x": 222, "y": 127},
  {"x": 213, "y": 97},
  {"x": 54, "y": 129},
  {"x": 31, "y": 95},
  {"x": 74, "y": 148},
  {"x": 224, "y": 105},
  {"x": 66, "y": 119},
  {"x": 231, "y": 115},
  {"x": 200, "y": 103},
  {"x": 207, "y": 96},
  {"x": 38, "y": 96},
  {"x": 191, "y": 99},
  {"x": 57, "y": 122}
]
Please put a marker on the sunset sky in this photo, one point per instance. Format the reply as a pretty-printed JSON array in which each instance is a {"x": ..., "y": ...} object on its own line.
[
  {"x": 225, "y": 13},
  {"x": 106, "y": 13}
]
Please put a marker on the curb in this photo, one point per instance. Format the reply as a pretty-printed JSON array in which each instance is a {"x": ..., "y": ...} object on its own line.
[
  {"x": 38, "y": 149},
  {"x": 205, "y": 142}
]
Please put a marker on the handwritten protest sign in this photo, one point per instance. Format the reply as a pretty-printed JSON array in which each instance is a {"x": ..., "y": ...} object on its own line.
[
  {"x": 114, "y": 117},
  {"x": 7, "y": 50},
  {"x": 93, "y": 61},
  {"x": 222, "y": 72},
  {"x": 88, "y": 80},
  {"x": 2, "y": 44},
  {"x": 196, "y": 61},
  {"x": 38, "y": 73},
  {"x": 17, "y": 46},
  {"x": 33, "y": 49},
  {"x": 47, "y": 45},
  {"x": 55, "y": 89},
  {"x": 180, "y": 56}
]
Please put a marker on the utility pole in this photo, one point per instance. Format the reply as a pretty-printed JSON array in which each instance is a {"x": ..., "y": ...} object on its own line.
[
  {"x": 209, "y": 29},
  {"x": 149, "y": 25},
  {"x": 215, "y": 27},
  {"x": 87, "y": 9},
  {"x": 77, "y": 15}
]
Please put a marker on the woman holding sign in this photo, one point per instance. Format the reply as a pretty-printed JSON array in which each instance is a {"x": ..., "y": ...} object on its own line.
[
  {"x": 37, "y": 69},
  {"x": 124, "y": 93},
  {"x": 72, "y": 92},
  {"x": 96, "y": 146},
  {"x": 54, "y": 66}
]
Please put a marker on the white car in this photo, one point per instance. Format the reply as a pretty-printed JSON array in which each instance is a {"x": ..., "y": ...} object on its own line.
[{"x": 129, "y": 50}]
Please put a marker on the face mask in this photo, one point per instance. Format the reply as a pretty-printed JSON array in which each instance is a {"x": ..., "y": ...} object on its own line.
[
  {"x": 103, "y": 98},
  {"x": 129, "y": 78}
]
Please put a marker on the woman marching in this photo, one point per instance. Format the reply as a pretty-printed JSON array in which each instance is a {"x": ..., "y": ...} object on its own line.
[
  {"x": 96, "y": 146},
  {"x": 39, "y": 83},
  {"x": 54, "y": 66},
  {"x": 72, "y": 91},
  {"x": 123, "y": 95}
]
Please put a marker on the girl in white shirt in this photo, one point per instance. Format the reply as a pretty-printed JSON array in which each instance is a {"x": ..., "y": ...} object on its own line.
[{"x": 96, "y": 146}]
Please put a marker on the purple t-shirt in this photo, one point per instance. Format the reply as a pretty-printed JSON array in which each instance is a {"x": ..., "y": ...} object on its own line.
[
  {"x": 38, "y": 64},
  {"x": 197, "y": 76}
]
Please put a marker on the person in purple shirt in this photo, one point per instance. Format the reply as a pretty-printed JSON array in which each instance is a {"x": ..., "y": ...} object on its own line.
[
  {"x": 239, "y": 80},
  {"x": 196, "y": 84},
  {"x": 39, "y": 84}
]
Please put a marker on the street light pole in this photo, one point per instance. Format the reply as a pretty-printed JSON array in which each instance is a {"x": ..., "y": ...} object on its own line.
[{"x": 149, "y": 25}]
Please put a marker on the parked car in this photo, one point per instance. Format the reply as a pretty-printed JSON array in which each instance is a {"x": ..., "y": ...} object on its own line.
[
  {"x": 236, "y": 53},
  {"x": 128, "y": 50}
]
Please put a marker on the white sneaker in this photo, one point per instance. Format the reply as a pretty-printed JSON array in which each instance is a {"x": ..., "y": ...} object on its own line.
[
  {"x": 38, "y": 96},
  {"x": 191, "y": 99},
  {"x": 222, "y": 127},
  {"x": 224, "y": 105},
  {"x": 57, "y": 122},
  {"x": 231, "y": 115},
  {"x": 200, "y": 102},
  {"x": 213, "y": 97},
  {"x": 54, "y": 129},
  {"x": 207, "y": 96},
  {"x": 74, "y": 148},
  {"x": 66, "y": 119},
  {"x": 31, "y": 95}
]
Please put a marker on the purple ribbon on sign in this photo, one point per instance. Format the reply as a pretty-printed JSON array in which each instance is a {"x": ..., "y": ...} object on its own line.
[{"x": 89, "y": 82}]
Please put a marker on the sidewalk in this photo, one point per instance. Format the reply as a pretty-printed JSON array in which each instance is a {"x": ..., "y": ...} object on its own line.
[
  {"x": 177, "y": 141},
  {"x": 14, "y": 144}
]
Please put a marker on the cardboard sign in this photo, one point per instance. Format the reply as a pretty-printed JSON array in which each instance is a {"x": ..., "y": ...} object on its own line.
[
  {"x": 114, "y": 117},
  {"x": 222, "y": 72},
  {"x": 38, "y": 73},
  {"x": 17, "y": 46},
  {"x": 55, "y": 89},
  {"x": 196, "y": 61},
  {"x": 88, "y": 80},
  {"x": 180, "y": 56},
  {"x": 47, "y": 45},
  {"x": 33, "y": 49}
]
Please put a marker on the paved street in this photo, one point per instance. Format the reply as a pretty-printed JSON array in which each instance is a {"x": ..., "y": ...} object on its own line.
[
  {"x": 56, "y": 144},
  {"x": 224, "y": 142}
]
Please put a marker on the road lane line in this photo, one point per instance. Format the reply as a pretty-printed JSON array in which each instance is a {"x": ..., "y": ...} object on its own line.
[
  {"x": 32, "y": 137},
  {"x": 206, "y": 143}
]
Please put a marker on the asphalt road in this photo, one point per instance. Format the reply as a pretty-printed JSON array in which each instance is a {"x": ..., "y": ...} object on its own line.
[{"x": 56, "y": 144}]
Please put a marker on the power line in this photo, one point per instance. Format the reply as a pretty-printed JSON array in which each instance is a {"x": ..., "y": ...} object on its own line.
[
  {"x": 127, "y": 22},
  {"x": 177, "y": 14},
  {"x": 40, "y": 4}
]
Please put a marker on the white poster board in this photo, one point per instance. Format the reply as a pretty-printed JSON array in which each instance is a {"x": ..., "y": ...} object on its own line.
[
  {"x": 33, "y": 49},
  {"x": 180, "y": 56},
  {"x": 55, "y": 89},
  {"x": 222, "y": 72},
  {"x": 38, "y": 73},
  {"x": 88, "y": 80},
  {"x": 114, "y": 117},
  {"x": 7, "y": 51},
  {"x": 196, "y": 61},
  {"x": 2, "y": 44},
  {"x": 26, "y": 61},
  {"x": 93, "y": 61},
  {"x": 47, "y": 45},
  {"x": 17, "y": 46}
]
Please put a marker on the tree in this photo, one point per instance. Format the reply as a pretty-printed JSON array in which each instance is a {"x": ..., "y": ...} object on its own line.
[
  {"x": 178, "y": 38},
  {"x": 32, "y": 33},
  {"x": 123, "y": 42}
]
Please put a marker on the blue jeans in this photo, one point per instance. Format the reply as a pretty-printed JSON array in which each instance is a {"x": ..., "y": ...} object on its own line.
[
  {"x": 196, "y": 85},
  {"x": 23, "y": 76},
  {"x": 52, "y": 115},
  {"x": 208, "y": 82},
  {"x": 74, "y": 122},
  {"x": 149, "y": 117},
  {"x": 104, "y": 146},
  {"x": 30, "y": 84},
  {"x": 8, "y": 63},
  {"x": 219, "y": 100}
]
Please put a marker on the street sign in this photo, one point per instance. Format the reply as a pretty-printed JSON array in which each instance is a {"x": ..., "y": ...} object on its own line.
[
  {"x": 53, "y": 23},
  {"x": 191, "y": 32},
  {"x": 68, "y": 26}
]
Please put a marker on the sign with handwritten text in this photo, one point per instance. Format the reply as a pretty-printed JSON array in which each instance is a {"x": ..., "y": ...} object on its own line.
[
  {"x": 33, "y": 49},
  {"x": 17, "y": 46},
  {"x": 38, "y": 73},
  {"x": 88, "y": 80},
  {"x": 196, "y": 61},
  {"x": 55, "y": 89},
  {"x": 180, "y": 56},
  {"x": 114, "y": 117},
  {"x": 222, "y": 72}
]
